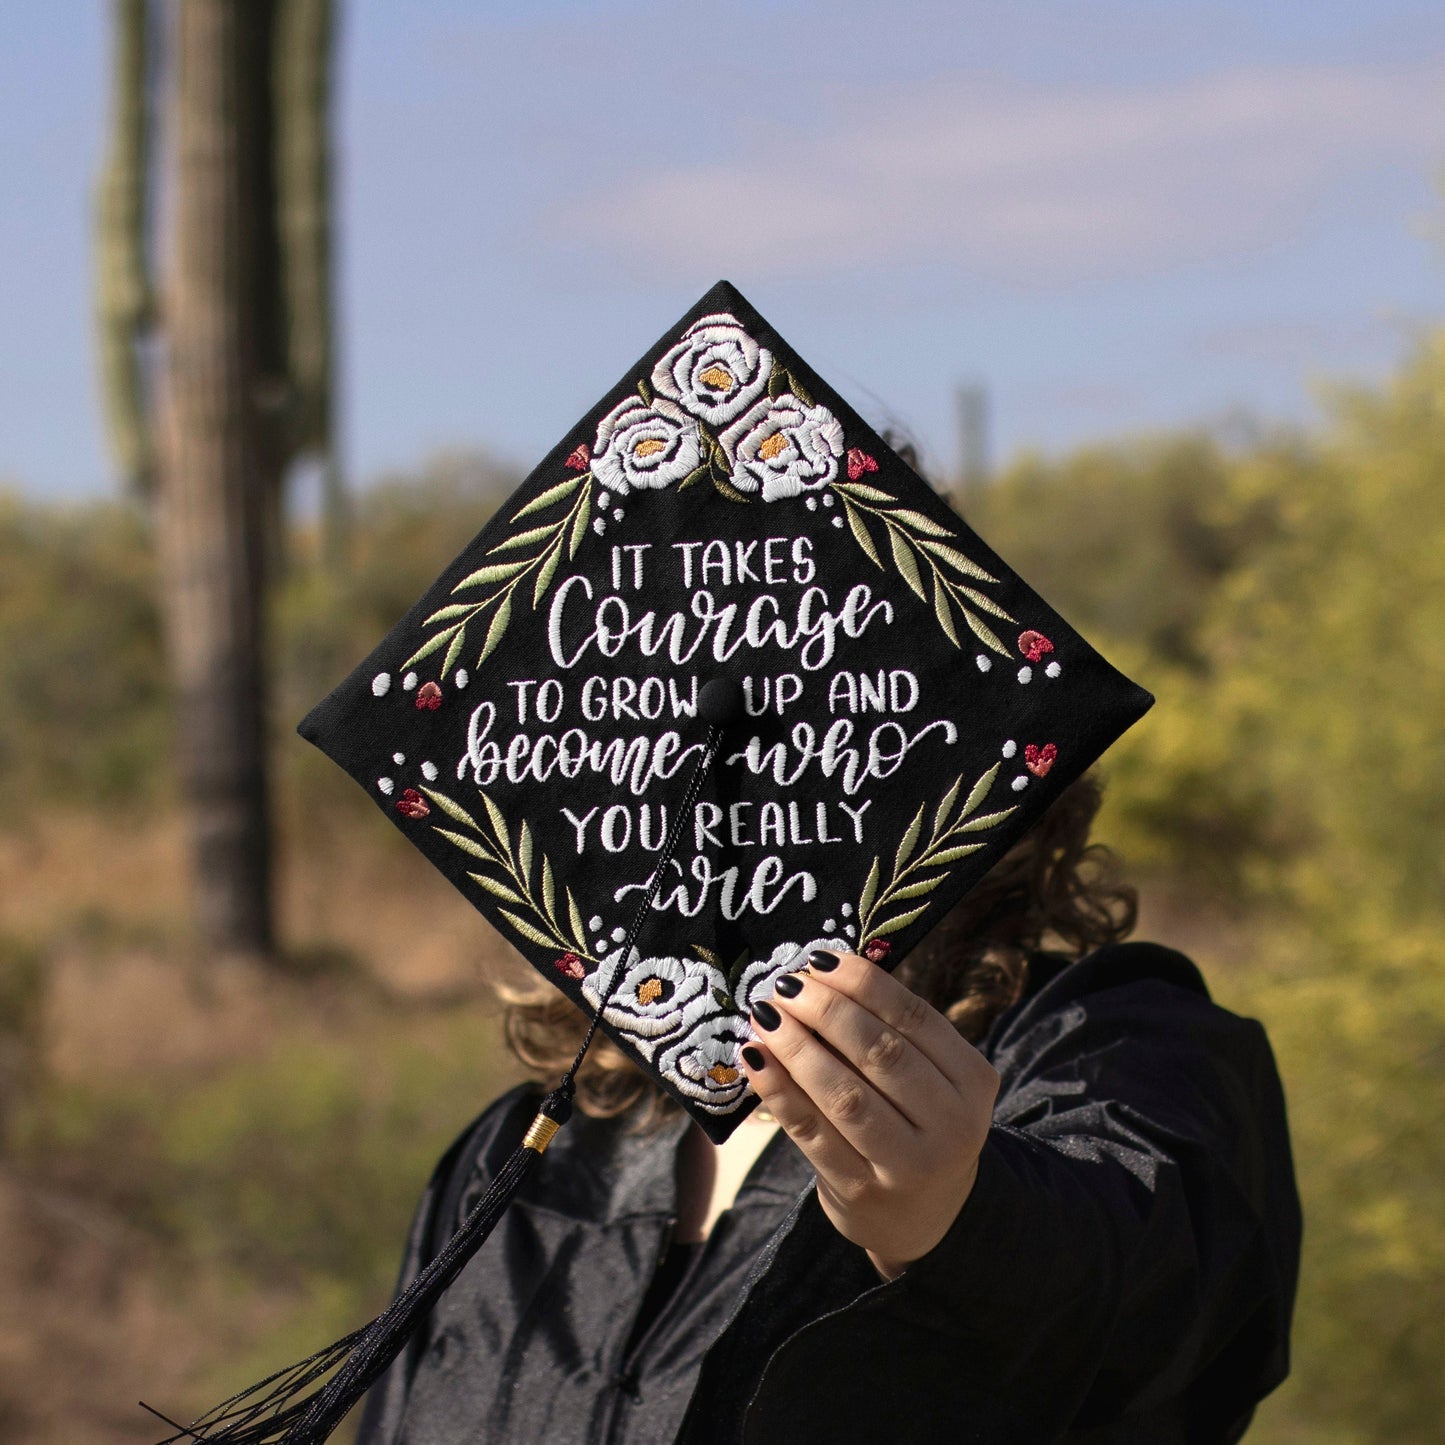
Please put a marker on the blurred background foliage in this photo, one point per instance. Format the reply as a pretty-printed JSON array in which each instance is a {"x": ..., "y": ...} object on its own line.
[{"x": 1282, "y": 807}]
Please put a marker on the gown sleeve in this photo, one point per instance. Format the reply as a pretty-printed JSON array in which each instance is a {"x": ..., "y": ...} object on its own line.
[
  {"x": 1128, "y": 1255},
  {"x": 433, "y": 1224}
]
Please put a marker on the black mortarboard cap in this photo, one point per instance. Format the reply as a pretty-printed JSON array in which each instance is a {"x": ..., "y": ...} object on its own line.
[{"x": 722, "y": 682}]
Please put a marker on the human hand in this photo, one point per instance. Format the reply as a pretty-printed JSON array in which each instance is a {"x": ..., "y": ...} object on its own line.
[{"x": 890, "y": 1104}]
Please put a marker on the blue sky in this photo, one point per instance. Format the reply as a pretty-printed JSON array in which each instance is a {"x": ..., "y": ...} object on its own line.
[{"x": 1117, "y": 215}]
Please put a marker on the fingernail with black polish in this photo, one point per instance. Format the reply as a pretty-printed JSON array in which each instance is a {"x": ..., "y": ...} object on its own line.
[
  {"x": 789, "y": 986},
  {"x": 766, "y": 1016},
  {"x": 753, "y": 1058},
  {"x": 823, "y": 961}
]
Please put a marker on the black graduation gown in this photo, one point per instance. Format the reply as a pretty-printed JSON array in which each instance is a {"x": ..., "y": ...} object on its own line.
[{"x": 1124, "y": 1269}]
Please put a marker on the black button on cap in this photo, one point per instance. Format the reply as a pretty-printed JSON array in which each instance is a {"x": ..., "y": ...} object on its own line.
[{"x": 720, "y": 702}]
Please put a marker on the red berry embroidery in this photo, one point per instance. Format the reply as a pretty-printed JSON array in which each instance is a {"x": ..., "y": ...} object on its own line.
[
  {"x": 411, "y": 804},
  {"x": 428, "y": 697},
  {"x": 1034, "y": 645},
  {"x": 859, "y": 462},
  {"x": 1039, "y": 760},
  {"x": 877, "y": 949},
  {"x": 579, "y": 460},
  {"x": 570, "y": 965}
]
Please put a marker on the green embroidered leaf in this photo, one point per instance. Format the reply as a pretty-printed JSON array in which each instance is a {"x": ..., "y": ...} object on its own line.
[
  {"x": 545, "y": 499},
  {"x": 984, "y": 820},
  {"x": 956, "y": 560},
  {"x": 862, "y": 491},
  {"x": 917, "y": 890},
  {"x": 468, "y": 845},
  {"x": 500, "y": 618},
  {"x": 726, "y": 489},
  {"x": 906, "y": 562},
  {"x": 870, "y": 891},
  {"x": 523, "y": 539},
  {"x": 984, "y": 634},
  {"x": 952, "y": 855},
  {"x": 796, "y": 387},
  {"x": 492, "y": 886},
  {"x": 723, "y": 999},
  {"x": 528, "y": 931},
  {"x": 574, "y": 920},
  {"x": 524, "y": 850},
  {"x": 777, "y": 382},
  {"x": 549, "y": 890},
  {"x": 946, "y": 806},
  {"x": 547, "y": 571},
  {"x": 644, "y": 391},
  {"x": 454, "y": 651},
  {"x": 980, "y": 790},
  {"x": 454, "y": 811},
  {"x": 986, "y": 603},
  {"x": 493, "y": 572},
  {"x": 452, "y": 610},
  {"x": 707, "y": 956},
  {"x": 860, "y": 533},
  {"x": 433, "y": 644},
  {"x": 944, "y": 612},
  {"x": 499, "y": 824},
  {"x": 579, "y": 524},
  {"x": 920, "y": 523},
  {"x": 899, "y": 920},
  {"x": 910, "y": 841},
  {"x": 696, "y": 475},
  {"x": 737, "y": 968}
]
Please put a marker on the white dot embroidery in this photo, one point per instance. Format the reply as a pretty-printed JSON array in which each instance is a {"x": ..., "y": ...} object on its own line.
[
  {"x": 386, "y": 785},
  {"x": 398, "y": 758},
  {"x": 827, "y": 499},
  {"x": 1053, "y": 670},
  {"x": 846, "y": 910},
  {"x": 811, "y": 503},
  {"x": 830, "y": 925},
  {"x": 1021, "y": 782},
  {"x": 429, "y": 772},
  {"x": 381, "y": 684},
  {"x": 462, "y": 678},
  {"x": 617, "y": 514},
  {"x": 599, "y": 525},
  {"x": 618, "y": 934},
  {"x": 595, "y": 922},
  {"x": 1010, "y": 748},
  {"x": 837, "y": 521},
  {"x": 985, "y": 664},
  {"x": 604, "y": 500},
  {"x": 601, "y": 947},
  {"x": 849, "y": 930},
  {"x": 1026, "y": 674},
  {"x": 409, "y": 681}
]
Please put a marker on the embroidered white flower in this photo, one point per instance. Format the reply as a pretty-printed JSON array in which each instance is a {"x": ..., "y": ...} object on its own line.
[
  {"x": 704, "y": 1065},
  {"x": 716, "y": 371},
  {"x": 783, "y": 447},
  {"x": 655, "y": 998},
  {"x": 645, "y": 446},
  {"x": 761, "y": 976}
]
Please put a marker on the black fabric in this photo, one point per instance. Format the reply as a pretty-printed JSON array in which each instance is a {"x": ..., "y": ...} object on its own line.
[
  {"x": 1124, "y": 1270},
  {"x": 912, "y": 704}
]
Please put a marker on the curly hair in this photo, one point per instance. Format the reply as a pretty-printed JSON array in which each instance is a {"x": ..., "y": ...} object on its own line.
[{"x": 1053, "y": 889}]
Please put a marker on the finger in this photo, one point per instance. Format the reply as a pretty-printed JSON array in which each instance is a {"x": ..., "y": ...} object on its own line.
[
  {"x": 901, "y": 1010},
  {"x": 896, "y": 1067},
  {"x": 832, "y": 1157},
  {"x": 847, "y": 1100}
]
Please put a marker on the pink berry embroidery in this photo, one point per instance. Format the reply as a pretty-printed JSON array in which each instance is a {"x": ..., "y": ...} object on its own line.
[
  {"x": 1034, "y": 645},
  {"x": 859, "y": 462},
  {"x": 877, "y": 949},
  {"x": 411, "y": 804},
  {"x": 579, "y": 460},
  {"x": 428, "y": 697},
  {"x": 570, "y": 966},
  {"x": 1039, "y": 760}
]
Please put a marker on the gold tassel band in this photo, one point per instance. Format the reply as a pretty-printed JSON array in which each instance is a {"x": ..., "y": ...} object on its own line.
[{"x": 539, "y": 1133}]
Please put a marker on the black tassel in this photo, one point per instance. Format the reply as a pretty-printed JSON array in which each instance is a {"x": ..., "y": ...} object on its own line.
[{"x": 278, "y": 1411}]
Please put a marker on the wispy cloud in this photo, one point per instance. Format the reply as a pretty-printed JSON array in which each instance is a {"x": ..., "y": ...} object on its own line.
[{"x": 1022, "y": 182}]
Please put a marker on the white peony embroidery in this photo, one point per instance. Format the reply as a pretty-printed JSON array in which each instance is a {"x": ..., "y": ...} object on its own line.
[
  {"x": 761, "y": 976},
  {"x": 645, "y": 446},
  {"x": 715, "y": 372},
  {"x": 704, "y": 1065},
  {"x": 655, "y": 999},
  {"x": 783, "y": 447}
]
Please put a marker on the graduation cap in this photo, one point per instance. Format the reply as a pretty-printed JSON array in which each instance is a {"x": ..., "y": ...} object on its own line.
[{"x": 722, "y": 683}]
